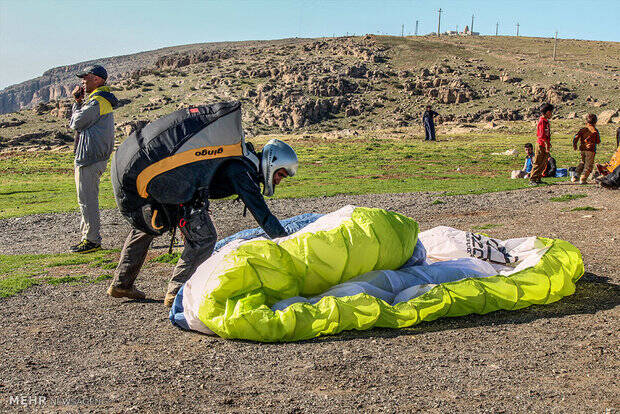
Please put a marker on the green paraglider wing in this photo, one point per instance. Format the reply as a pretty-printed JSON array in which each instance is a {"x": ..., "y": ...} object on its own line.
[{"x": 234, "y": 292}]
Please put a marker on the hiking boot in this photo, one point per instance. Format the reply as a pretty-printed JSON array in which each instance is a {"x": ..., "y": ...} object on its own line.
[
  {"x": 131, "y": 293},
  {"x": 169, "y": 299},
  {"x": 573, "y": 179},
  {"x": 85, "y": 246}
]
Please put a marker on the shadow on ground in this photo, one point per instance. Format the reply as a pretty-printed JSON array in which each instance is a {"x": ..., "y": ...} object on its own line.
[{"x": 593, "y": 294}]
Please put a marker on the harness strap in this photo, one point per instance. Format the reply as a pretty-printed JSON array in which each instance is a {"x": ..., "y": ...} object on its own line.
[{"x": 173, "y": 233}]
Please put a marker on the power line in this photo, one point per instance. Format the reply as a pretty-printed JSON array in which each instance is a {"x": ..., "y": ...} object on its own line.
[
  {"x": 416, "y": 27},
  {"x": 517, "y": 29},
  {"x": 439, "y": 24},
  {"x": 496, "y": 28},
  {"x": 471, "y": 29}
]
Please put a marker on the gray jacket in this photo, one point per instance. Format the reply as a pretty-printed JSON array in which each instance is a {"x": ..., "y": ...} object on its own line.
[{"x": 94, "y": 120}]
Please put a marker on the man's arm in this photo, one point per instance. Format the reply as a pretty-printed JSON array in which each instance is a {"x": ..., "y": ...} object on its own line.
[
  {"x": 249, "y": 192},
  {"x": 575, "y": 140},
  {"x": 84, "y": 116}
]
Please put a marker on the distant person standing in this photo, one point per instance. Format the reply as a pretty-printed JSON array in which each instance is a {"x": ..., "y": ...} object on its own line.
[
  {"x": 93, "y": 120},
  {"x": 429, "y": 123},
  {"x": 543, "y": 144},
  {"x": 587, "y": 138}
]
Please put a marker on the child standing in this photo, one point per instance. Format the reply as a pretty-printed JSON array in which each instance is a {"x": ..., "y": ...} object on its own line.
[
  {"x": 588, "y": 137},
  {"x": 543, "y": 145}
]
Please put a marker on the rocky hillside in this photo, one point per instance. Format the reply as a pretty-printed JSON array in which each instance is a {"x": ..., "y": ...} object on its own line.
[
  {"x": 344, "y": 83},
  {"x": 57, "y": 83}
]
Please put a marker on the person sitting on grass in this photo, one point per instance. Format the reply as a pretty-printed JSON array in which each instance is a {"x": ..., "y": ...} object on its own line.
[
  {"x": 587, "y": 137},
  {"x": 543, "y": 144},
  {"x": 527, "y": 166}
]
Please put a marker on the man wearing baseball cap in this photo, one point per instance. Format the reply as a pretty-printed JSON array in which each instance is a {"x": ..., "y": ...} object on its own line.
[{"x": 93, "y": 120}]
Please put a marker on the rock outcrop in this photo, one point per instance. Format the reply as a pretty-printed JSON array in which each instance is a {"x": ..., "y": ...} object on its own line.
[
  {"x": 605, "y": 117},
  {"x": 58, "y": 82}
]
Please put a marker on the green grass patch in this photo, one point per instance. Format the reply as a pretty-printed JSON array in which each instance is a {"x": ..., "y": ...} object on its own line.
[
  {"x": 43, "y": 182},
  {"x": 12, "y": 285},
  {"x": 19, "y": 272},
  {"x": 65, "y": 279},
  {"x": 103, "y": 277},
  {"x": 567, "y": 197},
  {"x": 436, "y": 202},
  {"x": 383, "y": 161},
  {"x": 172, "y": 258},
  {"x": 72, "y": 260},
  {"x": 104, "y": 263},
  {"x": 585, "y": 208}
]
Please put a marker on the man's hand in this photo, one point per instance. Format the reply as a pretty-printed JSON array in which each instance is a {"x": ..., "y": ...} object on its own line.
[{"x": 78, "y": 93}]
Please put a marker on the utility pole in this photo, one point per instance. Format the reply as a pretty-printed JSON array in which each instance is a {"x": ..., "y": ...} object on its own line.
[
  {"x": 496, "y": 28},
  {"x": 402, "y": 30},
  {"x": 555, "y": 44},
  {"x": 517, "y": 29},
  {"x": 471, "y": 28},
  {"x": 439, "y": 24},
  {"x": 416, "y": 27}
]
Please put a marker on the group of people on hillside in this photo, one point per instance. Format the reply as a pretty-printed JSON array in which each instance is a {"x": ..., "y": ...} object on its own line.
[
  {"x": 538, "y": 160},
  {"x": 539, "y": 163}
]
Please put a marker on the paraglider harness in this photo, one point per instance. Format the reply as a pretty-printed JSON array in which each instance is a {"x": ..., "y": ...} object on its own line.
[
  {"x": 173, "y": 216},
  {"x": 177, "y": 215},
  {"x": 161, "y": 173}
]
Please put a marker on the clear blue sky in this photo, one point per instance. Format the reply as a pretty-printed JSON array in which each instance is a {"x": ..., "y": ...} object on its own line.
[{"x": 37, "y": 35}]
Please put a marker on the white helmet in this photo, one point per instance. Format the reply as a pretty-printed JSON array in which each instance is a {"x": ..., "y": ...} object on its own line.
[{"x": 276, "y": 155}]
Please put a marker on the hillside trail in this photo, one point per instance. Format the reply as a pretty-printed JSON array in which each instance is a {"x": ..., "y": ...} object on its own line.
[{"x": 85, "y": 351}]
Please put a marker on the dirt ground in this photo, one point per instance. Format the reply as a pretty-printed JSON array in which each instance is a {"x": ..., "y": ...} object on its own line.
[{"x": 82, "y": 351}]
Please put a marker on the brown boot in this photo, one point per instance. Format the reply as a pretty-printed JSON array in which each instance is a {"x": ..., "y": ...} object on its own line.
[
  {"x": 131, "y": 293},
  {"x": 169, "y": 299}
]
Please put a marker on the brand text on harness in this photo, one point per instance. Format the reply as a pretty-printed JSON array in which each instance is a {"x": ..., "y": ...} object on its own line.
[{"x": 209, "y": 152}]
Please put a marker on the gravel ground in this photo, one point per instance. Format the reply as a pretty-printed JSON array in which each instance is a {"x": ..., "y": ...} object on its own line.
[{"x": 85, "y": 352}]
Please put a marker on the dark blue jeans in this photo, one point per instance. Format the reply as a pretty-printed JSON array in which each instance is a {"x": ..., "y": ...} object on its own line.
[{"x": 429, "y": 129}]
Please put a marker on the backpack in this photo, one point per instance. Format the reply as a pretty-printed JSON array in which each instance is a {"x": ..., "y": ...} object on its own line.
[{"x": 166, "y": 164}]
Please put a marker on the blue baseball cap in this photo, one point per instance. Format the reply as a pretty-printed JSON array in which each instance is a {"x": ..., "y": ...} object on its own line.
[{"x": 96, "y": 70}]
